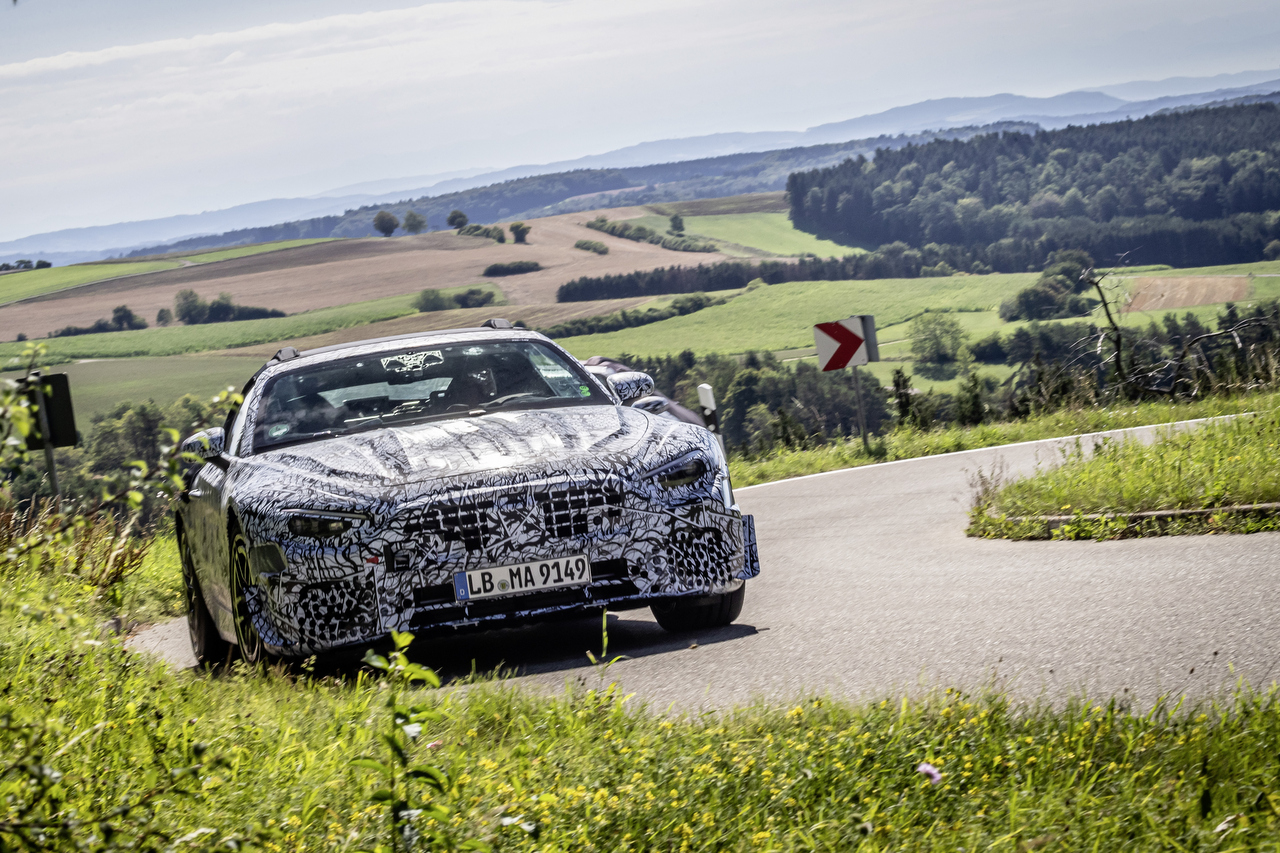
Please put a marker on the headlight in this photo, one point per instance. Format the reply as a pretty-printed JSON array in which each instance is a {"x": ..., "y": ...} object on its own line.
[
  {"x": 684, "y": 472},
  {"x": 321, "y": 523}
]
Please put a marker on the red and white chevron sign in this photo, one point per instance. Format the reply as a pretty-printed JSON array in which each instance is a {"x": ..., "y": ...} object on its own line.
[{"x": 846, "y": 342}]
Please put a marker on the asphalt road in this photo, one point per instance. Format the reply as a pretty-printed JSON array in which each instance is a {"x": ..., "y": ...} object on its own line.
[{"x": 870, "y": 589}]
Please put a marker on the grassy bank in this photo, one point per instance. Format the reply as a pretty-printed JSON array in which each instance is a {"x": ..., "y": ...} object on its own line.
[
  {"x": 269, "y": 760},
  {"x": 911, "y": 443},
  {"x": 1220, "y": 465}
]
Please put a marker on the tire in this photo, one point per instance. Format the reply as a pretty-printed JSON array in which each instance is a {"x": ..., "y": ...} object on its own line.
[
  {"x": 206, "y": 643},
  {"x": 712, "y": 611},
  {"x": 252, "y": 649}
]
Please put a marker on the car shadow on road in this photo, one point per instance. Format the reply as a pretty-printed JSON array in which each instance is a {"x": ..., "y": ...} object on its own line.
[{"x": 547, "y": 647}]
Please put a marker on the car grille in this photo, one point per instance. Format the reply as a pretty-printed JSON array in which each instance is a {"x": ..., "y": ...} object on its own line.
[
  {"x": 565, "y": 511},
  {"x": 468, "y": 522}
]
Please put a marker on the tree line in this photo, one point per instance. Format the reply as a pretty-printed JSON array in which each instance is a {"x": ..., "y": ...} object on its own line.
[{"x": 1189, "y": 188}]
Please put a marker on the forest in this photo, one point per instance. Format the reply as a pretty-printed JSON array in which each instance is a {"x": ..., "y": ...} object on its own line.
[{"x": 1190, "y": 188}]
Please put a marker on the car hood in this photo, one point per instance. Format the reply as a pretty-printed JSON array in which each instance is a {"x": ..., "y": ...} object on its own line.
[{"x": 532, "y": 442}]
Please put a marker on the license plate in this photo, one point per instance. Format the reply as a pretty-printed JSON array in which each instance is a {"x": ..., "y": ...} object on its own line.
[{"x": 522, "y": 577}]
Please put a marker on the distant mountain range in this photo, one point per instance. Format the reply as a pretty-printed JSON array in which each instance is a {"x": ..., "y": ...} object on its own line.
[{"x": 891, "y": 128}]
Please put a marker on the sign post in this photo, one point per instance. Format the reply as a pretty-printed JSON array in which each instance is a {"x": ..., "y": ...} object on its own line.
[
  {"x": 50, "y": 396},
  {"x": 849, "y": 343},
  {"x": 707, "y": 401}
]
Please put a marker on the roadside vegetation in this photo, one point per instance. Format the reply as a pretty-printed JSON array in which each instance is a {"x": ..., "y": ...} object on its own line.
[
  {"x": 909, "y": 442},
  {"x": 1109, "y": 489},
  {"x": 111, "y": 751}
]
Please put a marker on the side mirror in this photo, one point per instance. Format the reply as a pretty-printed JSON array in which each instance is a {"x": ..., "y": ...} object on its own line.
[
  {"x": 207, "y": 444},
  {"x": 631, "y": 384},
  {"x": 653, "y": 404}
]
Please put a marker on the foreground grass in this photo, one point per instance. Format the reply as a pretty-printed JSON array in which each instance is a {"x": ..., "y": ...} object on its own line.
[
  {"x": 911, "y": 443},
  {"x": 590, "y": 770}
]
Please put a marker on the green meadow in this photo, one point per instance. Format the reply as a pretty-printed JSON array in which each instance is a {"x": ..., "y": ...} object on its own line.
[
  {"x": 770, "y": 232},
  {"x": 781, "y": 316},
  {"x": 24, "y": 285},
  {"x": 101, "y": 385}
]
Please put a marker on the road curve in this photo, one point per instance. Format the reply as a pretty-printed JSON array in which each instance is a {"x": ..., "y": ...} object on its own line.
[{"x": 870, "y": 589}]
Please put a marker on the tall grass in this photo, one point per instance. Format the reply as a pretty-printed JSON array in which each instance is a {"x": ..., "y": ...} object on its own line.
[
  {"x": 908, "y": 443},
  {"x": 589, "y": 770}
]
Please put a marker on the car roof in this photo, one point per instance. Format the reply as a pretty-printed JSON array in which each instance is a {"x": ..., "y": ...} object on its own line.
[{"x": 492, "y": 329}]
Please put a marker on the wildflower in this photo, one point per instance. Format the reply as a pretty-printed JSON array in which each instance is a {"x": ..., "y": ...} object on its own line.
[
  {"x": 929, "y": 770},
  {"x": 435, "y": 744}
]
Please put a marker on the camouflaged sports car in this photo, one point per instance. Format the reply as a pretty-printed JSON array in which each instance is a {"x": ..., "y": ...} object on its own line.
[{"x": 450, "y": 479}]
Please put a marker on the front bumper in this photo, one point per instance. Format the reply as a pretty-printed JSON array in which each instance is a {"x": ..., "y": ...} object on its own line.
[{"x": 313, "y": 595}]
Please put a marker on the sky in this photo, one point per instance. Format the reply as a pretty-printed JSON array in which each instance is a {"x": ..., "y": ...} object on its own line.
[{"x": 119, "y": 110}]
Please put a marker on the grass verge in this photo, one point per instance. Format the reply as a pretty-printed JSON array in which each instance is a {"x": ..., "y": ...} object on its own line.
[
  {"x": 905, "y": 443},
  {"x": 1126, "y": 488},
  {"x": 269, "y": 760}
]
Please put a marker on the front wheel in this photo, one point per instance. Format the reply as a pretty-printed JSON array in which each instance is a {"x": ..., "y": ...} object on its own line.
[
  {"x": 245, "y": 602},
  {"x": 206, "y": 643},
  {"x": 712, "y": 611}
]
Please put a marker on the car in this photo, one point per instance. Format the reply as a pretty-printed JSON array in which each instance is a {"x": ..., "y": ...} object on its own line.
[
  {"x": 440, "y": 481},
  {"x": 655, "y": 402}
]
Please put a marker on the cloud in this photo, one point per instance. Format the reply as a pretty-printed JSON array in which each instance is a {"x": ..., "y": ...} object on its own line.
[{"x": 208, "y": 120}]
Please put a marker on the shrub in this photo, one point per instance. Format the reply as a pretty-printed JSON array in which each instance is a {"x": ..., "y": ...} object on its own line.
[
  {"x": 494, "y": 232},
  {"x": 43, "y": 265},
  {"x": 592, "y": 246},
  {"x": 193, "y": 311},
  {"x": 434, "y": 300},
  {"x": 512, "y": 268},
  {"x": 641, "y": 234},
  {"x": 520, "y": 231},
  {"x": 1272, "y": 250},
  {"x": 121, "y": 320},
  {"x": 457, "y": 219},
  {"x": 164, "y": 317},
  {"x": 474, "y": 297}
]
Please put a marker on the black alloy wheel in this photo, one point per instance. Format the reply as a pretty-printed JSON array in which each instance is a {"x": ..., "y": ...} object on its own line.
[
  {"x": 711, "y": 611},
  {"x": 243, "y": 590},
  {"x": 206, "y": 643}
]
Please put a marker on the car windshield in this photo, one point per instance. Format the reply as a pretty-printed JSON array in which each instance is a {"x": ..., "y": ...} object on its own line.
[{"x": 414, "y": 385}]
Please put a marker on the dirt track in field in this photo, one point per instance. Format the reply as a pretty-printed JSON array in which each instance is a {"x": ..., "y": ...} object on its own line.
[
  {"x": 1167, "y": 293},
  {"x": 344, "y": 271}
]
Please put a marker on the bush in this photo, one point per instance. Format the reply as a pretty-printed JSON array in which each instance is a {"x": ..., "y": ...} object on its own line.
[
  {"x": 474, "y": 297},
  {"x": 122, "y": 319},
  {"x": 434, "y": 300},
  {"x": 457, "y": 219},
  {"x": 193, "y": 311},
  {"x": 641, "y": 234},
  {"x": 592, "y": 246},
  {"x": 164, "y": 317},
  {"x": 494, "y": 232},
  {"x": 512, "y": 268},
  {"x": 1272, "y": 251},
  {"x": 520, "y": 231},
  {"x": 43, "y": 265}
]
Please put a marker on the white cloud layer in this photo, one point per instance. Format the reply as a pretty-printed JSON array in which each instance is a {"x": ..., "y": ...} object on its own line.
[{"x": 177, "y": 125}]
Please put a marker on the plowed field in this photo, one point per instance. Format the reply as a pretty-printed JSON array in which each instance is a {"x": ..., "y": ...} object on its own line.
[
  {"x": 1170, "y": 292},
  {"x": 345, "y": 271}
]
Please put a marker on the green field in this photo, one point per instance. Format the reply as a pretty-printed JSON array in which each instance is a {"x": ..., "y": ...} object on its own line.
[
  {"x": 24, "y": 285},
  {"x": 175, "y": 340},
  {"x": 99, "y": 386},
  {"x": 255, "y": 249},
  {"x": 770, "y": 232},
  {"x": 781, "y": 317}
]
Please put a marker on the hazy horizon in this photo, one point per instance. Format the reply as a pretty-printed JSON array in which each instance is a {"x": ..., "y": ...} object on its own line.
[{"x": 138, "y": 110}]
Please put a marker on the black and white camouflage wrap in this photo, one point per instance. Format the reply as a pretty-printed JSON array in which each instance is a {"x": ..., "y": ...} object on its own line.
[{"x": 434, "y": 499}]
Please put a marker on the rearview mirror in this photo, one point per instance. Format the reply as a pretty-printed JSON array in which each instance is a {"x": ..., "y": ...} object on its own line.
[
  {"x": 207, "y": 444},
  {"x": 631, "y": 384}
]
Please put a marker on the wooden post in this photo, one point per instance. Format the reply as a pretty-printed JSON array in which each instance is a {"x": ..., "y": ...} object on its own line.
[{"x": 862, "y": 418}]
